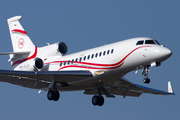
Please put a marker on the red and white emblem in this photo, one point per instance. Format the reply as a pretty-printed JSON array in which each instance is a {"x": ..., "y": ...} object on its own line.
[{"x": 21, "y": 43}]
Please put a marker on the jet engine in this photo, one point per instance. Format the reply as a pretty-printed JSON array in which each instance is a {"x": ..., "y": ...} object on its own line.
[
  {"x": 35, "y": 64},
  {"x": 59, "y": 48},
  {"x": 38, "y": 64}
]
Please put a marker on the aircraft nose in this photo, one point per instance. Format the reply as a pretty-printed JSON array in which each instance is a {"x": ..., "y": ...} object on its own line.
[
  {"x": 164, "y": 53},
  {"x": 167, "y": 52}
]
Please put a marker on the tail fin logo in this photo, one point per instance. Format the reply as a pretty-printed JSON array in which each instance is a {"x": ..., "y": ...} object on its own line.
[{"x": 21, "y": 43}]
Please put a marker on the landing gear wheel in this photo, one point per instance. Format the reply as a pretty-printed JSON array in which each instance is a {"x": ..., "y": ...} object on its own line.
[
  {"x": 50, "y": 95},
  {"x": 95, "y": 100},
  {"x": 146, "y": 80},
  {"x": 53, "y": 95},
  {"x": 98, "y": 100},
  {"x": 56, "y": 96},
  {"x": 101, "y": 101}
]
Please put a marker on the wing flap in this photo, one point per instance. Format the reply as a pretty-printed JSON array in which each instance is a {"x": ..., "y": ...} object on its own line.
[{"x": 114, "y": 91}]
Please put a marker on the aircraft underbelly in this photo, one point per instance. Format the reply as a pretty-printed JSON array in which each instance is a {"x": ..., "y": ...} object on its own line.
[{"x": 93, "y": 82}]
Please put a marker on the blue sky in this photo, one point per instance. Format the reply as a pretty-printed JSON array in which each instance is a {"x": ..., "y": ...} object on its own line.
[{"x": 83, "y": 24}]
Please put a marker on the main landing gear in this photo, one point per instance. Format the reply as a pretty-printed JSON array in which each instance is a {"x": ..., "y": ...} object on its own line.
[
  {"x": 145, "y": 73},
  {"x": 98, "y": 99},
  {"x": 53, "y": 94}
]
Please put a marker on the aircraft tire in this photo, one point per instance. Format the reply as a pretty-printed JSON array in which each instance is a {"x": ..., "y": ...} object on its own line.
[
  {"x": 50, "y": 95},
  {"x": 146, "y": 80},
  {"x": 101, "y": 101},
  {"x": 56, "y": 96},
  {"x": 95, "y": 100}
]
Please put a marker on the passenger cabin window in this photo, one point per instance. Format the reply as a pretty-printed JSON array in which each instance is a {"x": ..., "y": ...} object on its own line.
[
  {"x": 72, "y": 61},
  {"x": 140, "y": 42},
  {"x": 80, "y": 59},
  {"x": 96, "y": 55},
  {"x": 76, "y": 60},
  {"x": 84, "y": 58},
  {"x": 100, "y": 54},
  {"x": 104, "y": 53},
  {"x": 92, "y": 56},
  {"x": 108, "y": 52},
  {"x": 88, "y": 57},
  {"x": 112, "y": 51}
]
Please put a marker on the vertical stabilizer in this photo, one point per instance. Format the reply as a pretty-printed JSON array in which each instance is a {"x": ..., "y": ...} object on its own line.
[{"x": 20, "y": 40}]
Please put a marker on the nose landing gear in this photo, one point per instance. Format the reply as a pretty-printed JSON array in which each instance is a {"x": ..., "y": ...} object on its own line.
[{"x": 145, "y": 73}]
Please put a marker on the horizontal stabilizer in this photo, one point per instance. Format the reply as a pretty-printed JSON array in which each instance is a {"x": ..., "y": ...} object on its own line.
[
  {"x": 8, "y": 53},
  {"x": 13, "y": 19}
]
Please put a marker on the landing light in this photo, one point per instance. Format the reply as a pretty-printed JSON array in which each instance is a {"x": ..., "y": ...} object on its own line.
[
  {"x": 156, "y": 64},
  {"x": 99, "y": 72}
]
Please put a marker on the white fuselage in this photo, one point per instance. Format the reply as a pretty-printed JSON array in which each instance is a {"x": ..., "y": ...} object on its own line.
[
  {"x": 123, "y": 55},
  {"x": 116, "y": 59}
]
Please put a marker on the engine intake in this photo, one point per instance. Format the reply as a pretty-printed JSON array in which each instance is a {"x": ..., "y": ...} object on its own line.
[
  {"x": 38, "y": 64},
  {"x": 62, "y": 48},
  {"x": 56, "y": 49},
  {"x": 35, "y": 64}
]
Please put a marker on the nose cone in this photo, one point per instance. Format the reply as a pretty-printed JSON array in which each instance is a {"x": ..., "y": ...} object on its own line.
[
  {"x": 163, "y": 53},
  {"x": 167, "y": 53}
]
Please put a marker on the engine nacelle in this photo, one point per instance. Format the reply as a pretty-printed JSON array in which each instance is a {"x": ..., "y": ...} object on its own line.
[
  {"x": 38, "y": 64},
  {"x": 62, "y": 48},
  {"x": 35, "y": 64},
  {"x": 59, "y": 48}
]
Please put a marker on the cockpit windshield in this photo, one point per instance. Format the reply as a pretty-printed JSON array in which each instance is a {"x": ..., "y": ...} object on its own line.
[
  {"x": 150, "y": 42},
  {"x": 141, "y": 42}
]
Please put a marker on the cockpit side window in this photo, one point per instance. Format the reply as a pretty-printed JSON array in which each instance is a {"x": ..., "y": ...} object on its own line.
[
  {"x": 150, "y": 42},
  {"x": 140, "y": 42},
  {"x": 157, "y": 42}
]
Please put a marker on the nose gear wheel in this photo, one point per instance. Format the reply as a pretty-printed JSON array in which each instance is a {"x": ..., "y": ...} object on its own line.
[{"x": 145, "y": 73}]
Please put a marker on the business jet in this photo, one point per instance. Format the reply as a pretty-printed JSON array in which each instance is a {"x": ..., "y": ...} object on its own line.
[{"x": 98, "y": 71}]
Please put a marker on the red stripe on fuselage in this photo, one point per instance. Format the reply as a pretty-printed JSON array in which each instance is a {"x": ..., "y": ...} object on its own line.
[
  {"x": 111, "y": 66},
  {"x": 20, "y": 31},
  {"x": 23, "y": 60},
  {"x": 77, "y": 66}
]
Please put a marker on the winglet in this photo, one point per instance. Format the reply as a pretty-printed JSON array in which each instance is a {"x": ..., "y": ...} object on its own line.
[{"x": 170, "y": 89}]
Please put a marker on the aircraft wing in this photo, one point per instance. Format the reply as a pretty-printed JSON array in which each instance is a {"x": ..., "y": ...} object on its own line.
[
  {"x": 41, "y": 79},
  {"x": 125, "y": 88}
]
